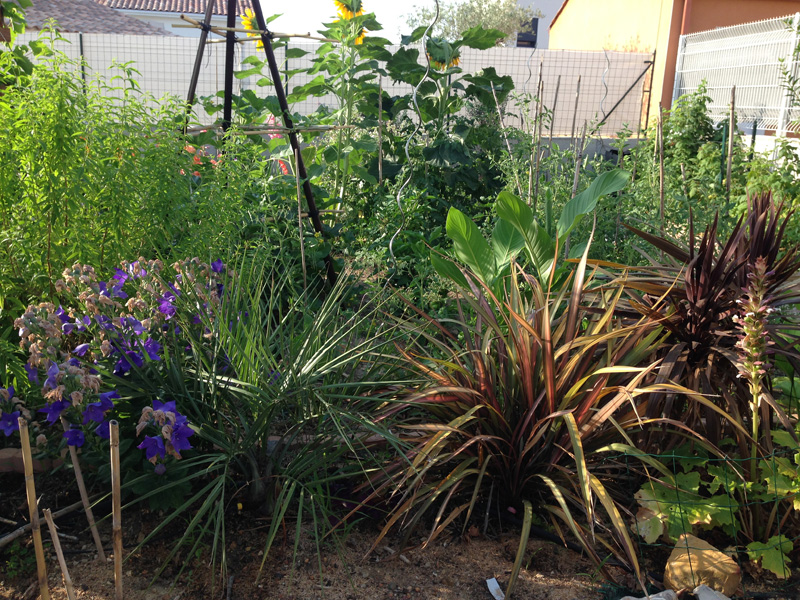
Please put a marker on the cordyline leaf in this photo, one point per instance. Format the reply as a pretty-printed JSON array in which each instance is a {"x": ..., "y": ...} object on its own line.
[{"x": 580, "y": 464}]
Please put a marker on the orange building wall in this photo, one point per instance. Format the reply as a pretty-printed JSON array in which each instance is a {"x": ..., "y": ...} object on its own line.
[{"x": 653, "y": 25}]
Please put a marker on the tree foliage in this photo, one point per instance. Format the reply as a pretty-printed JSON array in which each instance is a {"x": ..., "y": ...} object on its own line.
[{"x": 459, "y": 15}]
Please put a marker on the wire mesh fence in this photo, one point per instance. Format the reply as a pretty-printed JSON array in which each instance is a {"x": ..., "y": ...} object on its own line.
[
  {"x": 754, "y": 58},
  {"x": 611, "y": 88}
]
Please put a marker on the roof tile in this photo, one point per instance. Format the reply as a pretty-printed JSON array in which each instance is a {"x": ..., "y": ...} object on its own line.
[
  {"x": 177, "y": 6},
  {"x": 87, "y": 17}
]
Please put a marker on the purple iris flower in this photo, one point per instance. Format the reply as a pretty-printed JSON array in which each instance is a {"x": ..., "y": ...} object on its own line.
[
  {"x": 120, "y": 276},
  {"x": 109, "y": 396},
  {"x": 165, "y": 406},
  {"x": 54, "y": 410},
  {"x": 103, "y": 430},
  {"x": 74, "y": 362},
  {"x": 153, "y": 446},
  {"x": 197, "y": 319},
  {"x": 10, "y": 390},
  {"x": 116, "y": 292},
  {"x": 51, "y": 382},
  {"x": 81, "y": 349},
  {"x": 136, "y": 358},
  {"x": 9, "y": 423},
  {"x": 96, "y": 411},
  {"x": 152, "y": 348},
  {"x": 62, "y": 314},
  {"x": 160, "y": 469},
  {"x": 180, "y": 437},
  {"x": 105, "y": 322},
  {"x": 166, "y": 308},
  {"x": 68, "y": 328},
  {"x": 217, "y": 266},
  {"x": 133, "y": 324},
  {"x": 74, "y": 437},
  {"x": 33, "y": 373}
]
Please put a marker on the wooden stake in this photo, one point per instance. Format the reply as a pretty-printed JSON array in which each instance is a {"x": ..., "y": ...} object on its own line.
[
  {"x": 553, "y": 115},
  {"x": 87, "y": 508},
  {"x": 661, "y": 210},
  {"x": 300, "y": 218},
  {"x": 8, "y": 538},
  {"x": 505, "y": 136},
  {"x": 380, "y": 130},
  {"x": 575, "y": 112},
  {"x": 57, "y": 545},
  {"x": 538, "y": 148},
  {"x": 116, "y": 509},
  {"x": 731, "y": 136},
  {"x": 33, "y": 509},
  {"x": 576, "y": 178}
]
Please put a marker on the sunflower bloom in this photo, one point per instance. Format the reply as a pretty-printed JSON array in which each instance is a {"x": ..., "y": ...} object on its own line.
[
  {"x": 349, "y": 9},
  {"x": 442, "y": 54},
  {"x": 249, "y": 22}
]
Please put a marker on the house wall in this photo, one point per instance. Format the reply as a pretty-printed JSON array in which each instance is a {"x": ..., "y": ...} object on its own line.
[
  {"x": 654, "y": 25},
  {"x": 548, "y": 8}
]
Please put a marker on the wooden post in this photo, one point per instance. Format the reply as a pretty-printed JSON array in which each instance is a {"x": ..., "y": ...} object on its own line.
[
  {"x": 731, "y": 136},
  {"x": 538, "y": 148},
  {"x": 575, "y": 112},
  {"x": 33, "y": 509},
  {"x": 753, "y": 140},
  {"x": 380, "y": 130},
  {"x": 576, "y": 179},
  {"x": 300, "y": 219},
  {"x": 87, "y": 508},
  {"x": 661, "y": 210},
  {"x": 553, "y": 116},
  {"x": 116, "y": 508},
  {"x": 57, "y": 545}
]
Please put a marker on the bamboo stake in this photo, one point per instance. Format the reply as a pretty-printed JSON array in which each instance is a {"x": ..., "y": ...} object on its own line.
[
  {"x": 300, "y": 218},
  {"x": 731, "y": 130},
  {"x": 30, "y": 490},
  {"x": 553, "y": 115},
  {"x": 576, "y": 178},
  {"x": 575, "y": 112},
  {"x": 116, "y": 509},
  {"x": 661, "y": 165},
  {"x": 219, "y": 30},
  {"x": 10, "y": 537},
  {"x": 57, "y": 545},
  {"x": 380, "y": 130},
  {"x": 87, "y": 508},
  {"x": 505, "y": 136},
  {"x": 538, "y": 148}
]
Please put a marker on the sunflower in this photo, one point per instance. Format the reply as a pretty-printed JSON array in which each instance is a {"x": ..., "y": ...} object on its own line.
[
  {"x": 349, "y": 9},
  {"x": 442, "y": 54},
  {"x": 249, "y": 22}
]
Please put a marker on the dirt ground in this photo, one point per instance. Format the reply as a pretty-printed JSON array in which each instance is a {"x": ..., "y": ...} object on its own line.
[{"x": 451, "y": 568}]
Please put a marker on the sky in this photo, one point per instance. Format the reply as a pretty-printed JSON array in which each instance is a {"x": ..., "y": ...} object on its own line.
[{"x": 301, "y": 16}]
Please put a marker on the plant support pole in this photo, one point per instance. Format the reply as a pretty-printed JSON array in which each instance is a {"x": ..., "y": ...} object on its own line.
[
  {"x": 116, "y": 509},
  {"x": 575, "y": 112},
  {"x": 230, "y": 46},
  {"x": 76, "y": 466},
  {"x": 661, "y": 166},
  {"x": 33, "y": 509},
  {"x": 59, "y": 553},
  {"x": 731, "y": 130},
  {"x": 313, "y": 211},
  {"x": 198, "y": 60}
]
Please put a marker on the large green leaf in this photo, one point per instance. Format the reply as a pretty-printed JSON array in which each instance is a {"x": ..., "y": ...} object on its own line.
[
  {"x": 470, "y": 246},
  {"x": 449, "y": 270},
  {"x": 480, "y": 38},
  {"x": 539, "y": 245},
  {"x": 585, "y": 202},
  {"x": 506, "y": 243},
  {"x": 774, "y": 555}
]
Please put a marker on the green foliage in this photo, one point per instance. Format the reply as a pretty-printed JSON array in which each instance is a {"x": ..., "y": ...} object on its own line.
[
  {"x": 773, "y": 555},
  {"x": 18, "y": 561},
  {"x": 455, "y": 18}
]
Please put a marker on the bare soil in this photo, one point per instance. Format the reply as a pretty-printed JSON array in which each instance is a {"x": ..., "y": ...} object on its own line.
[{"x": 450, "y": 568}]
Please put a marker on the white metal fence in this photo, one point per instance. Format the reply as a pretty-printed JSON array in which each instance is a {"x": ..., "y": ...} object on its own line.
[
  {"x": 165, "y": 64},
  {"x": 752, "y": 57}
]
